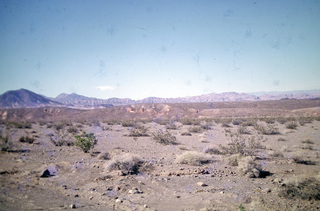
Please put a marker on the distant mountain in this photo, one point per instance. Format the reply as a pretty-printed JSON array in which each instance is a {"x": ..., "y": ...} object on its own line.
[
  {"x": 80, "y": 101},
  {"x": 25, "y": 98}
]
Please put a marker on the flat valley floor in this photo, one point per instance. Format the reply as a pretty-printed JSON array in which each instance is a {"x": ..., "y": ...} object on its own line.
[{"x": 211, "y": 164}]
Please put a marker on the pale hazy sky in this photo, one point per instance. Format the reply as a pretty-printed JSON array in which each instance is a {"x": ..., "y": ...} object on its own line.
[{"x": 164, "y": 48}]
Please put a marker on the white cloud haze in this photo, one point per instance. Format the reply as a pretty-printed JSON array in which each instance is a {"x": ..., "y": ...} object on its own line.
[{"x": 105, "y": 88}]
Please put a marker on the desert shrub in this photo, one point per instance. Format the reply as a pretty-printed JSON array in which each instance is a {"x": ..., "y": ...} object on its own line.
[
  {"x": 237, "y": 121},
  {"x": 188, "y": 121},
  {"x": 61, "y": 138},
  {"x": 164, "y": 137},
  {"x": 195, "y": 129},
  {"x": 127, "y": 163},
  {"x": 193, "y": 158},
  {"x": 6, "y": 145},
  {"x": 239, "y": 145},
  {"x": 268, "y": 130},
  {"x": 307, "y": 146},
  {"x": 307, "y": 141},
  {"x": 249, "y": 167},
  {"x": 233, "y": 160},
  {"x": 138, "y": 130},
  {"x": 20, "y": 125},
  {"x": 243, "y": 130},
  {"x": 205, "y": 125},
  {"x": 128, "y": 123},
  {"x": 72, "y": 130},
  {"x": 277, "y": 154},
  {"x": 298, "y": 158},
  {"x": 268, "y": 120},
  {"x": 212, "y": 150},
  {"x": 104, "y": 156},
  {"x": 172, "y": 126},
  {"x": 249, "y": 122},
  {"x": 292, "y": 125},
  {"x": 305, "y": 120},
  {"x": 282, "y": 139},
  {"x": 186, "y": 134},
  {"x": 26, "y": 139},
  {"x": 281, "y": 120},
  {"x": 306, "y": 188},
  {"x": 85, "y": 141}
]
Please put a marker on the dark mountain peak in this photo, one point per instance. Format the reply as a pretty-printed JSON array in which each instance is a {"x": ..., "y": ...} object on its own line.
[{"x": 24, "y": 98}]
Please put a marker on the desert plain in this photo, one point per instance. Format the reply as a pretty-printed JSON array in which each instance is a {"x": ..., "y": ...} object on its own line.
[{"x": 203, "y": 156}]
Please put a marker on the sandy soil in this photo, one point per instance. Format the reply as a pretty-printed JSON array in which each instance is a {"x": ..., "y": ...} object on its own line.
[{"x": 82, "y": 180}]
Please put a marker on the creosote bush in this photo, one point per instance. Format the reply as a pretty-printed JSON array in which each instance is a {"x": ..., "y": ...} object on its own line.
[
  {"x": 164, "y": 137},
  {"x": 127, "y": 163},
  {"x": 193, "y": 158},
  {"x": 85, "y": 141},
  {"x": 267, "y": 130},
  {"x": 239, "y": 145}
]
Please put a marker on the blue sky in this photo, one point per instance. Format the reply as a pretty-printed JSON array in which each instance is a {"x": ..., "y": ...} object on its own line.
[{"x": 166, "y": 48}]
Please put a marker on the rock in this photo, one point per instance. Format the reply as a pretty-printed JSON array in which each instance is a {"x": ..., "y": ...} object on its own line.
[
  {"x": 201, "y": 184},
  {"x": 118, "y": 201},
  {"x": 73, "y": 206},
  {"x": 50, "y": 171}
]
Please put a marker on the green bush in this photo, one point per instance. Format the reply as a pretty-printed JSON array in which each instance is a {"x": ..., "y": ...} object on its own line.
[{"x": 85, "y": 141}]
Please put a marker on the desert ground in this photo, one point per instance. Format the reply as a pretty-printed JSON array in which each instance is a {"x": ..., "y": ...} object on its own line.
[{"x": 162, "y": 157}]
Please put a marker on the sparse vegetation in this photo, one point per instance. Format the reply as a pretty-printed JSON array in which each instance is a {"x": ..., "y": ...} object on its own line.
[
  {"x": 193, "y": 158},
  {"x": 267, "y": 130},
  {"x": 128, "y": 123},
  {"x": 292, "y": 125},
  {"x": 307, "y": 141},
  {"x": 195, "y": 129},
  {"x": 238, "y": 145},
  {"x": 212, "y": 150},
  {"x": 26, "y": 139},
  {"x": 249, "y": 167},
  {"x": 306, "y": 188},
  {"x": 164, "y": 137},
  {"x": 127, "y": 163},
  {"x": 138, "y": 130},
  {"x": 62, "y": 138},
  {"x": 6, "y": 145},
  {"x": 85, "y": 141},
  {"x": 282, "y": 139},
  {"x": 243, "y": 130}
]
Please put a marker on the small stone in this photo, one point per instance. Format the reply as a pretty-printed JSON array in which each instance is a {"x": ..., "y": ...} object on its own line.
[
  {"x": 73, "y": 206},
  {"x": 76, "y": 195},
  {"x": 222, "y": 192},
  {"x": 118, "y": 201},
  {"x": 201, "y": 184},
  {"x": 91, "y": 197},
  {"x": 145, "y": 206}
]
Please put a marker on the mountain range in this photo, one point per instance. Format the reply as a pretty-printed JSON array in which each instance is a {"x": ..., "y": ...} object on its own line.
[{"x": 23, "y": 98}]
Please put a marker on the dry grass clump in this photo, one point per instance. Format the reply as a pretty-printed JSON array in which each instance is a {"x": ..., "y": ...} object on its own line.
[
  {"x": 104, "y": 156},
  {"x": 26, "y": 139},
  {"x": 307, "y": 141},
  {"x": 127, "y": 163},
  {"x": 303, "y": 187},
  {"x": 195, "y": 129},
  {"x": 188, "y": 121},
  {"x": 268, "y": 130},
  {"x": 243, "y": 130},
  {"x": 299, "y": 158},
  {"x": 5, "y": 144},
  {"x": 307, "y": 146},
  {"x": 248, "y": 167},
  {"x": 282, "y": 139},
  {"x": 233, "y": 160},
  {"x": 193, "y": 158},
  {"x": 292, "y": 125},
  {"x": 62, "y": 138},
  {"x": 305, "y": 120},
  {"x": 128, "y": 123},
  {"x": 186, "y": 134},
  {"x": 213, "y": 150},
  {"x": 172, "y": 126},
  {"x": 277, "y": 154},
  {"x": 138, "y": 130},
  {"x": 164, "y": 137}
]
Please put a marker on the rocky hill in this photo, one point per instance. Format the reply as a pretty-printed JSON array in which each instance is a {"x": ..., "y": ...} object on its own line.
[{"x": 25, "y": 98}]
